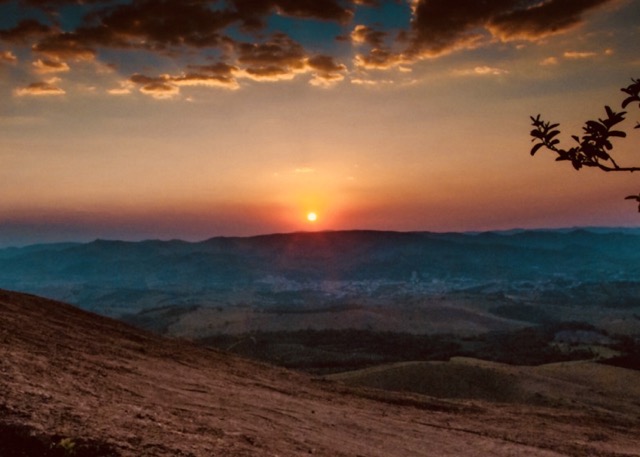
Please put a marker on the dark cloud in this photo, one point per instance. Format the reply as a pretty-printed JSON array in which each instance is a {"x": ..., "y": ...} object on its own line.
[
  {"x": 252, "y": 13},
  {"x": 280, "y": 57},
  {"x": 325, "y": 64},
  {"x": 326, "y": 70},
  {"x": 234, "y": 32},
  {"x": 542, "y": 19},
  {"x": 58, "y": 3},
  {"x": 379, "y": 59},
  {"x": 214, "y": 75},
  {"x": 158, "y": 24},
  {"x": 158, "y": 87},
  {"x": 166, "y": 86},
  {"x": 220, "y": 69},
  {"x": 442, "y": 26},
  {"x": 379, "y": 56},
  {"x": 25, "y": 32},
  {"x": 65, "y": 46}
]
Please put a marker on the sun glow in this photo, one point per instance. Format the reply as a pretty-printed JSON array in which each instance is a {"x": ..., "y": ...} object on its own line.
[{"x": 312, "y": 217}]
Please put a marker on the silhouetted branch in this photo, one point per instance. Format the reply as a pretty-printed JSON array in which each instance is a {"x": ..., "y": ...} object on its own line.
[{"x": 594, "y": 148}]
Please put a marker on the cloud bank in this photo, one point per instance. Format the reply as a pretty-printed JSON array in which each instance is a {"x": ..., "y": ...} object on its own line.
[{"x": 227, "y": 43}]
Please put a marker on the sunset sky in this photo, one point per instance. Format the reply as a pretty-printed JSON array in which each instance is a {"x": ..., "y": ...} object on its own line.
[{"x": 191, "y": 118}]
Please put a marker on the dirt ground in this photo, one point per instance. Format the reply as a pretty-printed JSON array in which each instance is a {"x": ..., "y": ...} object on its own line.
[{"x": 75, "y": 383}]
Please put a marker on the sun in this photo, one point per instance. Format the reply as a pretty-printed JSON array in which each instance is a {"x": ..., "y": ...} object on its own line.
[{"x": 312, "y": 217}]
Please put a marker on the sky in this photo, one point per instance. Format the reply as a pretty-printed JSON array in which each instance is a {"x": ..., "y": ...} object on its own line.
[{"x": 191, "y": 118}]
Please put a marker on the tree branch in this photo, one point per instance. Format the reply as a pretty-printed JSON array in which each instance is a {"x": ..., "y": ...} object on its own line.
[{"x": 594, "y": 147}]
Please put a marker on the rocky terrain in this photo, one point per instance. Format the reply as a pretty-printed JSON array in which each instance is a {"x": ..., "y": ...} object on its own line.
[{"x": 74, "y": 383}]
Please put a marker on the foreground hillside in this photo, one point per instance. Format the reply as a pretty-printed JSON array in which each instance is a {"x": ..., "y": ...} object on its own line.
[{"x": 73, "y": 383}]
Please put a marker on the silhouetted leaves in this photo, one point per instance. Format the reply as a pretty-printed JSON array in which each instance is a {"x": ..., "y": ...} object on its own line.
[
  {"x": 633, "y": 91},
  {"x": 634, "y": 197},
  {"x": 594, "y": 146}
]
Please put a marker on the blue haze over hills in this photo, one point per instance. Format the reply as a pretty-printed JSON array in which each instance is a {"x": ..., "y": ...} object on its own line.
[{"x": 526, "y": 275}]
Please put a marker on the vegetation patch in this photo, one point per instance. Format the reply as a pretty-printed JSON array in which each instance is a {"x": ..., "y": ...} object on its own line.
[{"x": 332, "y": 351}]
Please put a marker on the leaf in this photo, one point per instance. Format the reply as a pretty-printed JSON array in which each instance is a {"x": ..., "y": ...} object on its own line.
[
  {"x": 610, "y": 112},
  {"x": 617, "y": 133},
  {"x": 593, "y": 125},
  {"x": 631, "y": 99},
  {"x": 550, "y": 135},
  {"x": 536, "y": 148}
]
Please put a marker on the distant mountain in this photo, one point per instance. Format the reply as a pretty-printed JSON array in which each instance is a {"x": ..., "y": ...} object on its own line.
[
  {"x": 116, "y": 277},
  {"x": 77, "y": 384}
]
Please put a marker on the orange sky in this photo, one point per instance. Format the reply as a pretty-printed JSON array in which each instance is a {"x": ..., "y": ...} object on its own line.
[{"x": 374, "y": 115}]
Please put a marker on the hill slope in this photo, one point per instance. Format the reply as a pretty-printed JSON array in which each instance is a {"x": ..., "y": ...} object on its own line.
[
  {"x": 583, "y": 384},
  {"x": 70, "y": 379}
]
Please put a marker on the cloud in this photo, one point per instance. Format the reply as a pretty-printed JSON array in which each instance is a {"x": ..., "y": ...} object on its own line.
[
  {"x": 25, "y": 31},
  {"x": 160, "y": 90},
  {"x": 252, "y": 13},
  {"x": 167, "y": 86},
  {"x": 367, "y": 82},
  {"x": 278, "y": 58},
  {"x": 482, "y": 70},
  {"x": 8, "y": 57},
  {"x": 199, "y": 79},
  {"x": 541, "y": 19},
  {"x": 158, "y": 87},
  {"x": 549, "y": 61},
  {"x": 124, "y": 88},
  {"x": 440, "y": 27},
  {"x": 380, "y": 59},
  {"x": 50, "y": 66},
  {"x": 158, "y": 24},
  {"x": 65, "y": 46},
  {"x": 186, "y": 34},
  {"x": 380, "y": 55},
  {"x": 579, "y": 55},
  {"x": 364, "y": 34},
  {"x": 281, "y": 58},
  {"x": 39, "y": 89},
  {"x": 326, "y": 71}
]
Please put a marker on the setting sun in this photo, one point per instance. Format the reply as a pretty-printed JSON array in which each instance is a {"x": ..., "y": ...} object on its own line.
[{"x": 312, "y": 217}]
